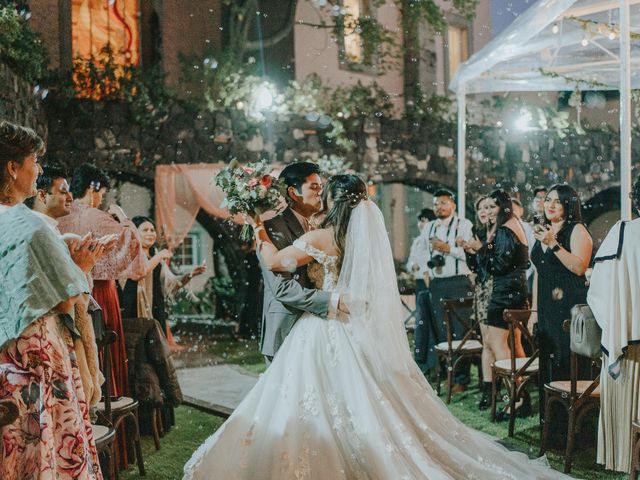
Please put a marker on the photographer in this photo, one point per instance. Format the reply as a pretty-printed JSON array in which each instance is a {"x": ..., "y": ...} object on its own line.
[{"x": 448, "y": 277}]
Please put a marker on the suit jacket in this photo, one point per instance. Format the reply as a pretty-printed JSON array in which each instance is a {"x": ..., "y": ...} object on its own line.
[{"x": 286, "y": 296}]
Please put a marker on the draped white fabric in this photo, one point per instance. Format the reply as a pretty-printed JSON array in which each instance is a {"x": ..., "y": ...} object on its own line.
[{"x": 343, "y": 398}]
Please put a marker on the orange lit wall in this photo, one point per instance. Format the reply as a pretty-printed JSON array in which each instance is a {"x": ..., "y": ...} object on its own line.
[{"x": 99, "y": 23}]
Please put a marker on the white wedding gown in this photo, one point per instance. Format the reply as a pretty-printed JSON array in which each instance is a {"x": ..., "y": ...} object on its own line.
[{"x": 343, "y": 398}]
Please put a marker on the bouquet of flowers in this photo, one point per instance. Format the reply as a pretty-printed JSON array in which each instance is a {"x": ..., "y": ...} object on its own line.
[{"x": 249, "y": 189}]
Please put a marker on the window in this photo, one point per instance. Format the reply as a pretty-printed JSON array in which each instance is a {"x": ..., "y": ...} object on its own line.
[
  {"x": 187, "y": 255},
  {"x": 358, "y": 15},
  {"x": 100, "y": 24},
  {"x": 457, "y": 48}
]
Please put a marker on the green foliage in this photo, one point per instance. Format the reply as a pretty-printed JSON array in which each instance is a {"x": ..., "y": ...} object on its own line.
[
  {"x": 100, "y": 78},
  {"x": 20, "y": 48},
  {"x": 357, "y": 102},
  {"x": 218, "y": 291},
  {"x": 226, "y": 293}
]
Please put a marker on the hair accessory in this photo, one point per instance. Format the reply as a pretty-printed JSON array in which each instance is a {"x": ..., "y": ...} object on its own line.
[{"x": 95, "y": 185}]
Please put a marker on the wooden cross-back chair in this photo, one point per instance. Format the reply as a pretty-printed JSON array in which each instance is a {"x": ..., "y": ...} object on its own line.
[
  {"x": 453, "y": 351},
  {"x": 515, "y": 373}
]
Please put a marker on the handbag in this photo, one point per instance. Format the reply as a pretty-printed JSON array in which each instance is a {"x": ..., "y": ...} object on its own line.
[{"x": 585, "y": 333}]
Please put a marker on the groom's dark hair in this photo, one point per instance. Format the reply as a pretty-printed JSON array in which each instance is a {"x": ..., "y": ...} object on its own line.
[
  {"x": 295, "y": 174},
  {"x": 635, "y": 195}
]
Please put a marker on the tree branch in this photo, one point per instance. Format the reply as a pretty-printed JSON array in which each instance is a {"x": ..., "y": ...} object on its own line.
[{"x": 278, "y": 36}]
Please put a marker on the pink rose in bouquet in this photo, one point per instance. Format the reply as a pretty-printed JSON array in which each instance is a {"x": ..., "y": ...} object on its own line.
[{"x": 250, "y": 189}]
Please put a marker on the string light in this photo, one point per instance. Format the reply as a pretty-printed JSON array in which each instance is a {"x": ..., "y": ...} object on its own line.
[
  {"x": 555, "y": 28},
  {"x": 584, "y": 42}
]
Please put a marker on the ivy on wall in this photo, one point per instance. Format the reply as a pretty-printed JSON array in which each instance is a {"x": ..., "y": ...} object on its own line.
[{"x": 21, "y": 48}]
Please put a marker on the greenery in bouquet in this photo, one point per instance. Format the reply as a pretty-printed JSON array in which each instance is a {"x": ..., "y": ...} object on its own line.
[{"x": 250, "y": 189}]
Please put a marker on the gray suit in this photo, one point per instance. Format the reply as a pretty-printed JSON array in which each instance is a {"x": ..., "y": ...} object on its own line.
[{"x": 286, "y": 296}]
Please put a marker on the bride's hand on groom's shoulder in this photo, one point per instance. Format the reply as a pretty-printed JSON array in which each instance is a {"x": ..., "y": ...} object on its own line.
[{"x": 343, "y": 304}]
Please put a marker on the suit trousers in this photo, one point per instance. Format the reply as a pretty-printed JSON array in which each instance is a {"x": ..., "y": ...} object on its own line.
[{"x": 430, "y": 325}]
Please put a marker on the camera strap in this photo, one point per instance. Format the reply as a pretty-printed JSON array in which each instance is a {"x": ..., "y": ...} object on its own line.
[{"x": 433, "y": 229}]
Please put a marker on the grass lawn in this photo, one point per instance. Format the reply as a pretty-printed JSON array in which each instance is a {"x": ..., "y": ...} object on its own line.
[{"x": 193, "y": 426}]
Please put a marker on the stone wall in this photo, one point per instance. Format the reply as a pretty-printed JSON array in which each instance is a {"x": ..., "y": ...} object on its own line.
[{"x": 20, "y": 102}]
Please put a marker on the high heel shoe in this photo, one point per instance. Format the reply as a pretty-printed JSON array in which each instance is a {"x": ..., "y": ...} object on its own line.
[
  {"x": 523, "y": 409},
  {"x": 485, "y": 401}
]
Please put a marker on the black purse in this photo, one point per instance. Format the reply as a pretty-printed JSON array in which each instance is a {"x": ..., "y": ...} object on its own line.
[{"x": 585, "y": 333}]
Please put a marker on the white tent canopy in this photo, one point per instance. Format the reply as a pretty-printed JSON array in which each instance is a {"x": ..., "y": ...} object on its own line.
[{"x": 560, "y": 45}]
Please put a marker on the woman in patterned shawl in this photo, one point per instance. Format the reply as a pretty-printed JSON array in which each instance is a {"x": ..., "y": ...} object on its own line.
[{"x": 52, "y": 437}]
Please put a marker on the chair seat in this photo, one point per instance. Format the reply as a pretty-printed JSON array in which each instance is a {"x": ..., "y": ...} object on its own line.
[
  {"x": 505, "y": 365},
  {"x": 102, "y": 435},
  {"x": 563, "y": 386},
  {"x": 121, "y": 404},
  {"x": 469, "y": 346}
]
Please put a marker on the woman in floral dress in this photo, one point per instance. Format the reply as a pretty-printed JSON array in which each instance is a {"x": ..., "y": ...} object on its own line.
[{"x": 52, "y": 437}]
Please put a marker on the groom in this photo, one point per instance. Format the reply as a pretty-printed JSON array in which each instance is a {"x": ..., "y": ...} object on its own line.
[{"x": 288, "y": 295}]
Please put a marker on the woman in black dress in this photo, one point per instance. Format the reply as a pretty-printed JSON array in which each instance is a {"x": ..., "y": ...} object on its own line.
[
  {"x": 504, "y": 260},
  {"x": 477, "y": 261},
  {"x": 561, "y": 254},
  {"x": 145, "y": 298}
]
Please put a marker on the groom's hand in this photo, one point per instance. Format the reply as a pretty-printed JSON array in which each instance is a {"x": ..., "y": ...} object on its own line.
[{"x": 343, "y": 305}]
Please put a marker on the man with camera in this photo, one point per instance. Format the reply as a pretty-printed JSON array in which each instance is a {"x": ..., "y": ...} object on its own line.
[{"x": 446, "y": 276}]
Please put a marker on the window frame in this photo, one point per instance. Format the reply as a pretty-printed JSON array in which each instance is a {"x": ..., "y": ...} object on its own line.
[
  {"x": 459, "y": 22},
  {"x": 196, "y": 254},
  {"x": 343, "y": 62}
]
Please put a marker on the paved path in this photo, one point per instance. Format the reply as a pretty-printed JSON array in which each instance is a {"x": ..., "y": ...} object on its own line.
[{"x": 217, "y": 389}]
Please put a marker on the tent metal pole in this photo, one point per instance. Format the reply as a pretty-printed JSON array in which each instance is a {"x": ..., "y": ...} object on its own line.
[
  {"x": 462, "y": 148},
  {"x": 625, "y": 111}
]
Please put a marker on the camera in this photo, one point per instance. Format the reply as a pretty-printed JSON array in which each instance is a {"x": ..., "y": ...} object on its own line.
[{"x": 437, "y": 261}]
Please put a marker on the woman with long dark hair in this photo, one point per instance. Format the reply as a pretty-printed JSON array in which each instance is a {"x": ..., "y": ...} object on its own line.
[
  {"x": 561, "y": 254},
  {"x": 477, "y": 260},
  {"x": 145, "y": 297},
  {"x": 343, "y": 397},
  {"x": 507, "y": 263}
]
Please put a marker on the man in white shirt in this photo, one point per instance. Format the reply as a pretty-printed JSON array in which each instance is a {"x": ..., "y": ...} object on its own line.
[
  {"x": 449, "y": 278},
  {"x": 52, "y": 201},
  {"x": 417, "y": 262}
]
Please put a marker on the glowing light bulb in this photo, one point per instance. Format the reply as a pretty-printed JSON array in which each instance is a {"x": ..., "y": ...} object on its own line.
[
  {"x": 584, "y": 42},
  {"x": 263, "y": 98},
  {"x": 612, "y": 35},
  {"x": 555, "y": 28}
]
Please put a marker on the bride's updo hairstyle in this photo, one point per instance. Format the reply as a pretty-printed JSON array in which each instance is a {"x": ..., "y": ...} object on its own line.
[{"x": 346, "y": 192}]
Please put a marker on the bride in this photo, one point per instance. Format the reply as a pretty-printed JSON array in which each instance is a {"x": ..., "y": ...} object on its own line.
[{"x": 343, "y": 398}]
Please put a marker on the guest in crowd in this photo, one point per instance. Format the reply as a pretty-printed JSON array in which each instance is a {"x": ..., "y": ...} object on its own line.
[
  {"x": 449, "y": 278},
  {"x": 615, "y": 302},
  {"x": 417, "y": 262},
  {"x": 477, "y": 260},
  {"x": 537, "y": 205},
  {"x": 561, "y": 254},
  {"x": 88, "y": 186},
  {"x": 51, "y": 202},
  {"x": 508, "y": 260},
  {"x": 145, "y": 297},
  {"x": 518, "y": 211},
  {"x": 52, "y": 437}
]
